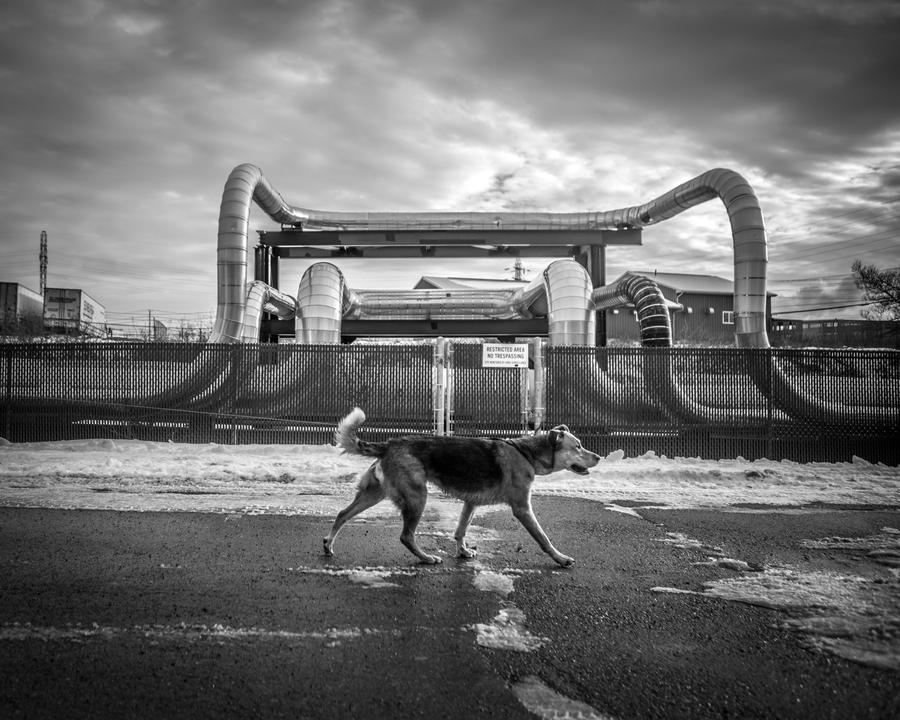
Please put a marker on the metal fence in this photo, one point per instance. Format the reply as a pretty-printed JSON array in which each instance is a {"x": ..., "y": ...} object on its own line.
[
  {"x": 211, "y": 393},
  {"x": 804, "y": 405}
]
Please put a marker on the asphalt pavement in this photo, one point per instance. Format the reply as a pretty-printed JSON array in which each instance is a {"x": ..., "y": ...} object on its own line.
[{"x": 159, "y": 615}]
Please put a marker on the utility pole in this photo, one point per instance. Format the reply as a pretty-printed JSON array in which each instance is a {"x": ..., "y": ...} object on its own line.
[
  {"x": 518, "y": 269},
  {"x": 43, "y": 262}
]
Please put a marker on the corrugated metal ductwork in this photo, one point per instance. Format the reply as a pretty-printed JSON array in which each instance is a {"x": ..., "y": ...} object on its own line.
[
  {"x": 461, "y": 304},
  {"x": 649, "y": 302},
  {"x": 246, "y": 182},
  {"x": 322, "y": 300},
  {"x": 263, "y": 298},
  {"x": 562, "y": 293},
  {"x": 570, "y": 318}
]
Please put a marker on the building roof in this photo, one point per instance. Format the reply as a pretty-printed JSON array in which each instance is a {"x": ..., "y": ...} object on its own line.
[
  {"x": 691, "y": 283},
  {"x": 688, "y": 282},
  {"x": 679, "y": 282},
  {"x": 427, "y": 282}
]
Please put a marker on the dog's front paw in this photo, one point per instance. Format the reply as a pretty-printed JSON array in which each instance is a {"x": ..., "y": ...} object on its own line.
[
  {"x": 565, "y": 560},
  {"x": 467, "y": 552},
  {"x": 326, "y": 547},
  {"x": 431, "y": 560}
]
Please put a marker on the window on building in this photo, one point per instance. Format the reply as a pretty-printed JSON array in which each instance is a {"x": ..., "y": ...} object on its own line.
[{"x": 728, "y": 317}]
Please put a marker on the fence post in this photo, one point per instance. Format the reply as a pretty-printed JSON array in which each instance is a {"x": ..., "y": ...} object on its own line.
[
  {"x": 537, "y": 398},
  {"x": 439, "y": 392},
  {"x": 770, "y": 359},
  {"x": 450, "y": 390},
  {"x": 235, "y": 364},
  {"x": 7, "y": 424}
]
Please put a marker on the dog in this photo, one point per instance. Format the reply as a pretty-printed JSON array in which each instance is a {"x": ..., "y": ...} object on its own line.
[{"x": 477, "y": 470}]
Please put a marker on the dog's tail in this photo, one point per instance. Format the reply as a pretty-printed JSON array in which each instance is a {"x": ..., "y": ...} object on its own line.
[{"x": 346, "y": 439}]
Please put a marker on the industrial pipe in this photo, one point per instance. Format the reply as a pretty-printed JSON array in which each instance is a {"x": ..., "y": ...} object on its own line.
[
  {"x": 649, "y": 302},
  {"x": 246, "y": 182}
]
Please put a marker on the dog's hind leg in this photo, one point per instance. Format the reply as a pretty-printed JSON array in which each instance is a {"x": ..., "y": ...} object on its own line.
[
  {"x": 465, "y": 517},
  {"x": 412, "y": 505},
  {"x": 370, "y": 493},
  {"x": 525, "y": 515}
]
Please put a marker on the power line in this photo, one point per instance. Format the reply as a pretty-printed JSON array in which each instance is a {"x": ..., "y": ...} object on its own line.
[{"x": 817, "y": 309}]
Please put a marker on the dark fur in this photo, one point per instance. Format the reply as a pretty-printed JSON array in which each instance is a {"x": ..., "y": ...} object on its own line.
[{"x": 479, "y": 471}]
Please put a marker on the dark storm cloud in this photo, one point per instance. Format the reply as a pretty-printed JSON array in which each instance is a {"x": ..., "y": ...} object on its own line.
[
  {"x": 121, "y": 120},
  {"x": 756, "y": 80}
]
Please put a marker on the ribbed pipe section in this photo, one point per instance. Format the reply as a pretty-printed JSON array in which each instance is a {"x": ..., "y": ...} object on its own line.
[
  {"x": 649, "y": 302},
  {"x": 570, "y": 318},
  {"x": 427, "y": 304},
  {"x": 261, "y": 298},
  {"x": 322, "y": 300}
]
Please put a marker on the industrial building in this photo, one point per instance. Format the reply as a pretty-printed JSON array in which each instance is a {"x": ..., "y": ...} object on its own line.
[{"x": 701, "y": 308}]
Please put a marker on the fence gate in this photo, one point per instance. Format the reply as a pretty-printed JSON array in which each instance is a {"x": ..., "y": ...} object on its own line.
[{"x": 487, "y": 389}]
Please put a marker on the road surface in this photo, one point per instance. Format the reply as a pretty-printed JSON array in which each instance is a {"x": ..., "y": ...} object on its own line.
[{"x": 155, "y": 614}]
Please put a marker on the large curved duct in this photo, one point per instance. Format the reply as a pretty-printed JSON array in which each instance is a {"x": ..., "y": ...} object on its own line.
[
  {"x": 246, "y": 182},
  {"x": 649, "y": 302},
  {"x": 562, "y": 293},
  {"x": 263, "y": 298},
  {"x": 322, "y": 299},
  {"x": 570, "y": 318}
]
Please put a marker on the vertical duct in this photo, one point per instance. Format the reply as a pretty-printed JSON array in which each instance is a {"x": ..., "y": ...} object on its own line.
[
  {"x": 320, "y": 305},
  {"x": 570, "y": 317}
]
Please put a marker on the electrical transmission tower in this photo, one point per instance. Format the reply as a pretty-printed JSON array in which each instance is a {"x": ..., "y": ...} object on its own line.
[{"x": 43, "y": 259}]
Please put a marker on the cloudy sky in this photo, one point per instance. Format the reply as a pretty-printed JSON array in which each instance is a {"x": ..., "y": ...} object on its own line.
[{"x": 120, "y": 121}]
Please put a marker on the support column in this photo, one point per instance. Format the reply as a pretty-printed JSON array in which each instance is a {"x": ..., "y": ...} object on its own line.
[{"x": 597, "y": 271}]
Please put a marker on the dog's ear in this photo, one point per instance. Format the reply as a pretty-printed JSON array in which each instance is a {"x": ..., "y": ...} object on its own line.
[{"x": 556, "y": 435}]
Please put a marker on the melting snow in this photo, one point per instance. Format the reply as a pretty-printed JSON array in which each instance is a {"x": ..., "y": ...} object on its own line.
[
  {"x": 507, "y": 631},
  {"x": 550, "y": 705},
  {"x": 853, "y": 616},
  {"x": 318, "y": 480}
]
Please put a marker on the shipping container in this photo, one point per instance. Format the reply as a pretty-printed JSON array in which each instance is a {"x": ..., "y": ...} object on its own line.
[
  {"x": 20, "y": 308},
  {"x": 73, "y": 311}
]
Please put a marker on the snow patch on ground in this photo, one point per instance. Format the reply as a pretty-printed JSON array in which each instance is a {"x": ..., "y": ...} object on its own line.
[
  {"x": 319, "y": 480},
  {"x": 507, "y": 631},
  {"x": 548, "y": 704},
  {"x": 853, "y": 616}
]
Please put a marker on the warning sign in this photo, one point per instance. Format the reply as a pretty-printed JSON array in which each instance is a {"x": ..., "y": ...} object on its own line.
[{"x": 501, "y": 355}]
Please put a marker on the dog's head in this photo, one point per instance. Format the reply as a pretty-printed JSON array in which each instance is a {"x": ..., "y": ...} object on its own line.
[{"x": 568, "y": 453}]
